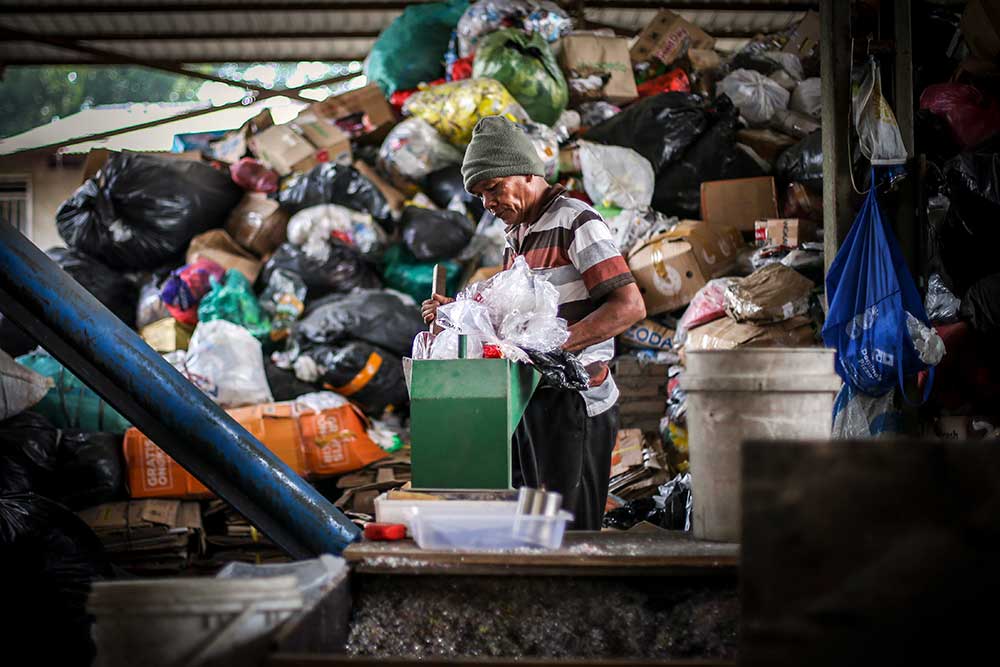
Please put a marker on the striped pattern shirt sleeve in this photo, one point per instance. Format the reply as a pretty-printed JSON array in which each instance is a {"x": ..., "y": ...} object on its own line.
[{"x": 594, "y": 254}]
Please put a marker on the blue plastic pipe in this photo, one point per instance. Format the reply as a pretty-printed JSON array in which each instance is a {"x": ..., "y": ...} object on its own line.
[{"x": 116, "y": 363}]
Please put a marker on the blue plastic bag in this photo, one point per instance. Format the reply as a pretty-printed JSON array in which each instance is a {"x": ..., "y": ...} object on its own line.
[
  {"x": 411, "y": 50},
  {"x": 870, "y": 291}
]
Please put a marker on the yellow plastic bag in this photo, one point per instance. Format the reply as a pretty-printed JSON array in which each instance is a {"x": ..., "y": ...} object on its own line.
[{"x": 453, "y": 109}]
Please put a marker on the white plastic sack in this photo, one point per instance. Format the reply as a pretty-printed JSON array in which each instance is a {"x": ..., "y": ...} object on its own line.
[
  {"x": 20, "y": 387},
  {"x": 756, "y": 96},
  {"x": 616, "y": 176},
  {"x": 225, "y": 361},
  {"x": 807, "y": 98},
  {"x": 790, "y": 63},
  {"x": 414, "y": 149},
  {"x": 930, "y": 348},
  {"x": 631, "y": 226},
  {"x": 878, "y": 131},
  {"x": 311, "y": 228}
]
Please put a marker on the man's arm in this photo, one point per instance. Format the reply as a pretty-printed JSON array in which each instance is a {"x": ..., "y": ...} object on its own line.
[{"x": 621, "y": 309}]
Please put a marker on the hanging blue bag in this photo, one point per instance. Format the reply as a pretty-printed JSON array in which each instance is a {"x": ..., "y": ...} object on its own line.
[{"x": 870, "y": 291}]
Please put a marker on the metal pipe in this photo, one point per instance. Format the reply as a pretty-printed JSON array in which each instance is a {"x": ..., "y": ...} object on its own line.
[{"x": 116, "y": 363}]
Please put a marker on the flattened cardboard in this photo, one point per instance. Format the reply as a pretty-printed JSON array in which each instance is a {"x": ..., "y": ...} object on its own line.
[
  {"x": 627, "y": 453},
  {"x": 667, "y": 38},
  {"x": 768, "y": 144},
  {"x": 650, "y": 335},
  {"x": 218, "y": 246},
  {"x": 739, "y": 203},
  {"x": 370, "y": 100},
  {"x": 727, "y": 334},
  {"x": 587, "y": 54}
]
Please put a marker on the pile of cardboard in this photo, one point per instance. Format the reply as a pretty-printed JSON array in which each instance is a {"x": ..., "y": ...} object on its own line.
[
  {"x": 638, "y": 466},
  {"x": 360, "y": 488},
  {"x": 230, "y": 537}
]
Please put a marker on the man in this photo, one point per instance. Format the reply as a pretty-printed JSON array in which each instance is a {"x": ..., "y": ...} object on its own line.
[{"x": 565, "y": 438}]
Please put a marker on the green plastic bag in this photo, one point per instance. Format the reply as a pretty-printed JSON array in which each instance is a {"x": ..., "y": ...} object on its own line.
[
  {"x": 71, "y": 404},
  {"x": 411, "y": 50},
  {"x": 233, "y": 301},
  {"x": 404, "y": 273},
  {"x": 524, "y": 64}
]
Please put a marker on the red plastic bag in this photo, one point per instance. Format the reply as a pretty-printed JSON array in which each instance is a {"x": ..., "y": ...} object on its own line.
[
  {"x": 251, "y": 175},
  {"x": 708, "y": 305},
  {"x": 971, "y": 115},
  {"x": 676, "y": 80},
  {"x": 461, "y": 68},
  {"x": 183, "y": 290}
]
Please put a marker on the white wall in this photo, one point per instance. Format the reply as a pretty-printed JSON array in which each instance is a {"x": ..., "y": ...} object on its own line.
[{"x": 50, "y": 187}]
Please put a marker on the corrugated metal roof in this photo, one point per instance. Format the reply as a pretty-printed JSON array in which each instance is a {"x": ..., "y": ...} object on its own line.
[{"x": 195, "y": 31}]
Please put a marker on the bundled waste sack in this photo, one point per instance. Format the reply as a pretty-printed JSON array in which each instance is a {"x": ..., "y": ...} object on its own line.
[
  {"x": 226, "y": 362},
  {"x": 413, "y": 149},
  {"x": 756, "y": 96},
  {"x": 544, "y": 18},
  {"x": 283, "y": 383},
  {"x": 972, "y": 116},
  {"x": 406, "y": 273},
  {"x": 313, "y": 227},
  {"x": 807, "y": 97},
  {"x": 342, "y": 270},
  {"x": 233, "y": 300},
  {"x": 941, "y": 304},
  {"x": 332, "y": 183},
  {"x": 140, "y": 210},
  {"x": 411, "y": 50},
  {"x": 445, "y": 187},
  {"x": 803, "y": 163},
  {"x": 774, "y": 293},
  {"x": 384, "y": 318},
  {"x": 71, "y": 404},
  {"x": 525, "y": 66},
  {"x": 878, "y": 131},
  {"x": 20, "y": 387},
  {"x": 283, "y": 300},
  {"x": 616, "y": 176},
  {"x": 453, "y": 109},
  {"x": 251, "y": 175},
  {"x": 981, "y": 305},
  {"x": 369, "y": 375},
  {"x": 28, "y": 446},
  {"x": 186, "y": 287},
  {"x": 110, "y": 287},
  {"x": 433, "y": 235}
]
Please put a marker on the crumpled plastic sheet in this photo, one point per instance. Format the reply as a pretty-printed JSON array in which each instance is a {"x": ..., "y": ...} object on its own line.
[
  {"x": 616, "y": 176},
  {"x": 632, "y": 227},
  {"x": 807, "y": 98},
  {"x": 560, "y": 369},
  {"x": 940, "y": 303},
  {"x": 857, "y": 416},
  {"x": 708, "y": 305},
  {"x": 756, "y": 96},
  {"x": 678, "y": 490},
  {"x": 930, "y": 348},
  {"x": 878, "y": 131},
  {"x": 414, "y": 149},
  {"x": 313, "y": 227},
  {"x": 225, "y": 362}
]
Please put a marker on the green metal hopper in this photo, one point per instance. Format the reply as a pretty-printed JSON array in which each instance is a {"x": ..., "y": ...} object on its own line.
[{"x": 463, "y": 413}]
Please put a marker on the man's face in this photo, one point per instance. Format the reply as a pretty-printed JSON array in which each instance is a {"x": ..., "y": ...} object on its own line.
[{"x": 508, "y": 198}]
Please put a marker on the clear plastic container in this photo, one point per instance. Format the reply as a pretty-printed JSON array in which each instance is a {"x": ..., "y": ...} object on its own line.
[{"x": 497, "y": 527}]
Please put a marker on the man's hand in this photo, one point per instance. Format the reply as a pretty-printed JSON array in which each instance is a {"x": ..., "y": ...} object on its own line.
[
  {"x": 429, "y": 307},
  {"x": 620, "y": 310}
]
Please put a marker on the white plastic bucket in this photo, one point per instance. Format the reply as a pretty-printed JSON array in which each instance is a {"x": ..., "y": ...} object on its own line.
[
  {"x": 187, "y": 622},
  {"x": 751, "y": 394}
]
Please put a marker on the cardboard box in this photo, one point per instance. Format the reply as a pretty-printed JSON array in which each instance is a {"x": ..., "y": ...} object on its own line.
[
  {"x": 322, "y": 132},
  {"x": 167, "y": 335},
  {"x": 667, "y": 38},
  {"x": 704, "y": 60},
  {"x": 650, "y": 335},
  {"x": 330, "y": 442},
  {"x": 739, "y": 203},
  {"x": 717, "y": 249},
  {"x": 218, "y": 246},
  {"x": 727, "y": 334},
  {"x": 627, "y": 452},
  {"x": 281, "y": 148},
  {"x": 395, "y": 198},
  {"x": 368, "y": 100},
  {"x": 804, "y": 41},
  {"x": 483, "y": 273},
  {"x": 587, "y": 54},
  {"x": 232, "y": 147},
  {"x": 768, "y": 144},
  {"x": 667, "y": 273},
  {"x": 258, "y": 224},
  {"x": 791, "y": 232}
]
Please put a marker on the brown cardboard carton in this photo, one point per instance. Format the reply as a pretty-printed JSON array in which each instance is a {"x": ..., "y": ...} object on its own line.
[
  {"x": 704, "y": 60},
  {"x": 280, "y": 148},
  {"x": 650, "y": 335},
  {"x": 773, "y": 293},
  {"x": 587, "y": 54},
  {"x": 768, "y": 144},
  {"x": 368, "y": 100},
  {"x": 322, "y": 132},
  {"x": 167, "y": 335},
  {"x": 233, "y": 146},
  {"x": 667, "y": 38},
  {"x": 804, "y": 41},
  {"x": 791, "y": 232},
  {"x": 727, "y": 334},
  {"x": 218, "y": 246},
  {"x": 258, "y": 224},
  {"x": 716, "y": 249},
  {"x": 739, "y": 202},
  {"x": 667, "y": 273},
  {"x": 627, "y": 453}
]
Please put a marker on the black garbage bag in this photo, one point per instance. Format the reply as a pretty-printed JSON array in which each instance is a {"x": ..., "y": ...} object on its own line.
[
  {"x": 141, "y": 210},
  {"x": 443, "y": 185},
  {"x": 90, "y": 469},
  {"x": 670, "y": 509},
  {"x": 435, "y": 235},
  {"x": 660, "y": 128},
  {"x": 343, "y": 270},
  {"x": 713, "y": 156},
  {"x": 370, "y": 376},
  {"x": 981, "y": 305},
  {"x": 379, "y": 317},
  {"x": 803, "y": 163},
  {"x": 50, "y": 559},
  {"x": 283, "y": 383},
  {"x": 29, "y": 450},
  {"x": 111, "y": 287},
  {"x": 560, "y": 369},
  {"x": 332, "y": 183}
]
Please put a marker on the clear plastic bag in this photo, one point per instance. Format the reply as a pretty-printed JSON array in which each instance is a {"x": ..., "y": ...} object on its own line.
[
  {"x": 857, "y": 416},
  {"x": 453, "y": 109},
  {"x": 414, "y": 149},
  {"x": 878, "y": 131},
  {"x": 941, "y": 304},
  {"x": 926, "y": 341},
  {"x": 225, "y": 362},
  {"x": 616, "y": 176},
  {"x": 546, "y": 144},
  {"x": 283, "y": 300},
  {"x": 487, "y": 16},
  {"x": 312, "y": 228},
  {"x": 708, "y": 304},
  {"x": 756, "y": 96},
  {"x": 632, "y": 227}
]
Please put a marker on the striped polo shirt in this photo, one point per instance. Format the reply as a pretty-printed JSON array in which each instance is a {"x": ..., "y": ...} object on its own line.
[{"x": 571, "y": 246}]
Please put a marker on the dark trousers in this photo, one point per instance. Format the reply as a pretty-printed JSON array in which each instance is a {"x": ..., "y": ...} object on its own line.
[{"x": 558, "y": 447}]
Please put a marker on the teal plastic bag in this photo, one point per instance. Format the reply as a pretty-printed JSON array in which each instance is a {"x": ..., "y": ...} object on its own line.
[
  {"x": 71, "y": 404},
  {"x": 411, "y": 50},
  {"x": 233, "y": 301},
  {"x": 404, "y": 273},
  {"x": 524, "y": 64}
]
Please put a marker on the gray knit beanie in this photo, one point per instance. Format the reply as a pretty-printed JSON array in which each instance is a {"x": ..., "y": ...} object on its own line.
[{"x": 499, "y": 148}]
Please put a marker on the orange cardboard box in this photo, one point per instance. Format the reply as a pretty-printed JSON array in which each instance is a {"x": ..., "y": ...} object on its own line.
[{"x": 330, "y": 442}]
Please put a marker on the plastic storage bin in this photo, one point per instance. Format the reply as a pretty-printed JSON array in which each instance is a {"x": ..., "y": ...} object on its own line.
[{"x": 486, "y": 528}]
